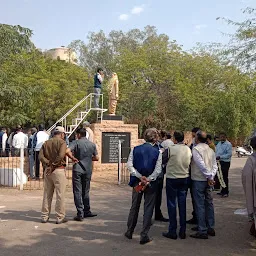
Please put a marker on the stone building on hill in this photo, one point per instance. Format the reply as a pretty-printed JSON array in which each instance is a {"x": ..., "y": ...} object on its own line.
[{"x": 62, "y": 53}]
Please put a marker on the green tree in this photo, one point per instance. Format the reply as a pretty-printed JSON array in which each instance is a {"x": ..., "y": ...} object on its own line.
[
  {"x": 160, "y": 84},
  {"x": 14, "y": 40},
  {"x": 241, "y": 49},
  {"x": 33, "y": 88},
  {"x": 42, "y": 89}
]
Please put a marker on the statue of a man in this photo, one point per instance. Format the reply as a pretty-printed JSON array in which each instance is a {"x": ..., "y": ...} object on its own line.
[{"x": 113, "y": 88}]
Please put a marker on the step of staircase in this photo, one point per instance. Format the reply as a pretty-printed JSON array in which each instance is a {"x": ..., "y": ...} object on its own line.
[{"x": 82, "y": 105}]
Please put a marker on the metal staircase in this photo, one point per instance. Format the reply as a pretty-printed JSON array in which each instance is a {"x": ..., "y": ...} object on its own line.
[{"x": 76, "y": 115}]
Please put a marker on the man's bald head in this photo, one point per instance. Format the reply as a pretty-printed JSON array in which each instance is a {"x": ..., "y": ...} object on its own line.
[{"x": 201, "y": 137}]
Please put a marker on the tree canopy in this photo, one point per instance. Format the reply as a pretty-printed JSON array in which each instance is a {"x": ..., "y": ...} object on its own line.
[
  {"x": 33, "y": 88},
  {"x": 160, "y": 84},
  {"x": 163, "y": 86},
  {"x": 241, "y": 49}
]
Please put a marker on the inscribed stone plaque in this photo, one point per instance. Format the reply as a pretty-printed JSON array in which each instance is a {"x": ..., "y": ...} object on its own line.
[{"x": 110, "y": 146}]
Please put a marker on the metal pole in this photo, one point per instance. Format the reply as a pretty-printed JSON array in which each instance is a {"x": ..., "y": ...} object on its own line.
[
  {"x": 21, "y": 167},
  {"x": 119, "y": 161}
]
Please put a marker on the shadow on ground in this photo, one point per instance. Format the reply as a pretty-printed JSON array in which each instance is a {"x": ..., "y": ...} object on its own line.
[{"x": 21, "y": 232}]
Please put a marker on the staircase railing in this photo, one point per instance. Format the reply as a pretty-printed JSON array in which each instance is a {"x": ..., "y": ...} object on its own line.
[{"x": 70, "y": 128}]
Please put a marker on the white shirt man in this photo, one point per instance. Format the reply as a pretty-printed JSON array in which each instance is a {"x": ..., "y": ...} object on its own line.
[
  {"x": 41, "y": 137},
  {"x": 38, "y": 140},
  {"x": 4, "y": 139},
  {"x": 203, "y": 171},
  {"x": 20, "y": 140}
]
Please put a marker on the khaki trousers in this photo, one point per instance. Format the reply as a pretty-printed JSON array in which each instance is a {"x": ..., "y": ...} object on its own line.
[
  {"x": 112, "y": 106},
  {"x": 56, "y": 181}
]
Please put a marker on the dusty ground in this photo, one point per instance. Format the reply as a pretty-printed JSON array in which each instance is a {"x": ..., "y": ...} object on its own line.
[{"x": 21, "y": 232}]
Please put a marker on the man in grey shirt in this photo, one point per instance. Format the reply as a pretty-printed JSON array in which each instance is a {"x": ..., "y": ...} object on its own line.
[{"x": 86, "y": 152}]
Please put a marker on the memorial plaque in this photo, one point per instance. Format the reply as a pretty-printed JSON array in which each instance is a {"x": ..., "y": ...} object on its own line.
[{"x": 110, "y": 142}]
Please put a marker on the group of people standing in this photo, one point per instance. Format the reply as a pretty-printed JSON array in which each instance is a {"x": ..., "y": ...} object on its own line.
[
  {"x": 30, "y": 140},
  {"x": 53, "y": 154},
  {"x": 193, "y": 168},
  {"x": 11, "y": 141}
]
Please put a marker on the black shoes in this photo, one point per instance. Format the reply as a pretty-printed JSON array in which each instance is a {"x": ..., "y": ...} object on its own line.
[
  {"x": 174, "y": 236},
  {"x": 162, "y": 219},
  {"x": 199, "y": 236},
  {"x": 44, "y": 220},
  {"x": 145, "y": 240},
  {"x": 169, "y": 235},
  {"x": 78, "y": 218},
  {"x": 182, "y": 235},
  {"x": 210, "y": 231},
  {"x": 62, "y": 221},
  {"x": 128, "y": 234},
  {"x": 193, "y": 221},
  {"x": 222, "y": 195},
  {"x": 90, "y": 215},
  {"x": 194, "y": 229}
]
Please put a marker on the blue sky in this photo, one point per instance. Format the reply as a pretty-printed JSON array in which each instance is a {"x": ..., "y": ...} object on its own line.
[{"x": 58, "y": 22}]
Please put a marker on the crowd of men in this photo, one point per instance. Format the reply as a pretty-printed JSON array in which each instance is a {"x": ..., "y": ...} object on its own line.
[
  {"x": 51, "y": 150},
  {"x": 186, "y": 168},
  {"x": 31, "y": 140}
]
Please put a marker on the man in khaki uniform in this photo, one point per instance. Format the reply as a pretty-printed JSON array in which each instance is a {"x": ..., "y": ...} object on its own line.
[
  {"x": 52, "y": 155},
  {"x": 113, "y": 88}
]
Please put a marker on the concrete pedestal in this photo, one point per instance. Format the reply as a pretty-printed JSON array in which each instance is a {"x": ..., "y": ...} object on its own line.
[{"x": 112, "y": 126}]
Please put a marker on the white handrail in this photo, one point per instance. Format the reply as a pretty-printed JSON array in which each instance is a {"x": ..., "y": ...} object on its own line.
[{"x": 73, "y": 108}]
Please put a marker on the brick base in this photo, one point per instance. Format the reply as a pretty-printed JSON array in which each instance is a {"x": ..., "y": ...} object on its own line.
[{"x": 112, "y": 126}]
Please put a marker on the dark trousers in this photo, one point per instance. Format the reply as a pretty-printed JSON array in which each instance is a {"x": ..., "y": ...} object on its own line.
[
  {"x": 225, "y": 170},
  {"x": 203, "y": 206},
  {"x": 149, "y": 203},
  {"x": 217, "y": 182},
  {"x": 193, "y": 199},
  {"x": 81, "y": 188},
  {"x": 17, "y": 152},
  {"x": 3, "y": 153},
  {"x": 176, "y": 190},
  {"x": 159, "y": 191},
  {"x": 37, "y": 164}
]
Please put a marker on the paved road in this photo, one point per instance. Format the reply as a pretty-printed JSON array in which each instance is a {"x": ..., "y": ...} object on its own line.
[{"x": 21, "y": 232}]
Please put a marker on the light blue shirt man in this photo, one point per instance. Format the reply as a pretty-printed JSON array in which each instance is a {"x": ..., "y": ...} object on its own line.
[{"x": 224, "y": 151}]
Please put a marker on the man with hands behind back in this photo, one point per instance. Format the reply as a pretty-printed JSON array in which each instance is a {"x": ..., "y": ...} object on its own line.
[{"x": 144, "y": 165}]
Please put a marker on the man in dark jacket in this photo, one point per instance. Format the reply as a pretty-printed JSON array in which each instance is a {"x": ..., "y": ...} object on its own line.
[
  {"x": 98, "y": 80},
  {"x": 144, "y": 165},
  {"x": 85, "y": 151}
]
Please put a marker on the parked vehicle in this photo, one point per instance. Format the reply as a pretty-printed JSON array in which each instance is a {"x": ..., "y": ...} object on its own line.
[{"x": 244, "y": 151}]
